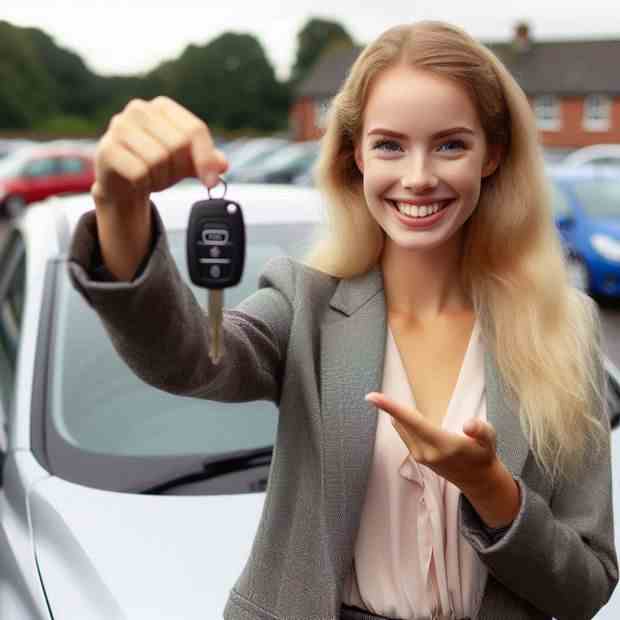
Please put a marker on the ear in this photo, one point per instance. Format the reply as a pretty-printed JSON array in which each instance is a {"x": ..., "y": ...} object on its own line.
[
  {"x": 494, "y": 157},
  {"x": 358, "y": 157}
]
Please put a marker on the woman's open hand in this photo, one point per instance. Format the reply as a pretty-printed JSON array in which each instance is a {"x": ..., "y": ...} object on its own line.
[{"x": 469, "y": 461}]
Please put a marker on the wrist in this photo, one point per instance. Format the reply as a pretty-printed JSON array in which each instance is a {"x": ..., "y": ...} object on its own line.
[{"x": 496, "y": 496}]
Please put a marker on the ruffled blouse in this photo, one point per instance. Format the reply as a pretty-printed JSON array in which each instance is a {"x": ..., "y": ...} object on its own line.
[{"x": 410, "y": 560}]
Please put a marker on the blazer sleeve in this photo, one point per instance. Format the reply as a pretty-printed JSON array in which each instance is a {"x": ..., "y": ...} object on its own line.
[
  {"x": 157, "y": 326},
  {"x": 560, "y": 556}
]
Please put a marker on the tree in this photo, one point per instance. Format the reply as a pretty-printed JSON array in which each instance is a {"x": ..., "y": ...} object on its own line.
[
  {"x": 27, "y": 92},
  {"x": 313, "y": 40},
  {"x": 229, "y": 83}
]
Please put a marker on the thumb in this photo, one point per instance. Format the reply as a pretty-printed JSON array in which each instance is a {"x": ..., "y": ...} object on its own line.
[{"x": 480, "y": 430}]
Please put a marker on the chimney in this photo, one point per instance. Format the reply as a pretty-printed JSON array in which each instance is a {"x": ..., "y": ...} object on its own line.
[{"x": 521, "y": 41}]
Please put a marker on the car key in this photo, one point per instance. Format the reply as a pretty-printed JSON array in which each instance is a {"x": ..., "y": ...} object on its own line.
[{"x": 215, "y": 246}]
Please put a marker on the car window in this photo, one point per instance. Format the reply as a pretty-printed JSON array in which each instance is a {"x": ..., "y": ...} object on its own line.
[
  {"x": 12, "y": 290},
  {"x": 98, "y": 404},
  {"x": 43, "y": 167},
  {"x": 599, "y": 197},
  {"x": 71, "y": 165}
]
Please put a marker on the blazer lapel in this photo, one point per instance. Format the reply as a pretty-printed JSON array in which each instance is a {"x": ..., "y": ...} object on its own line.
[
  {"x": 352, "y": 353},
  {"x": 352, "y": 357}
]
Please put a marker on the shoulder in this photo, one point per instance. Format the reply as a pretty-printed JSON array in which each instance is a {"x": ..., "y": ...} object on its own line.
[{"x": 298, "y": 282}]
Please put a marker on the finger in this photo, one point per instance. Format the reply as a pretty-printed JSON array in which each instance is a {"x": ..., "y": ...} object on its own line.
[
  {"x": 480, "y": 430},
  {"x": 150, "y": 151},
  {"x": 207, "y": 161},
  {"x": 113, "y": 159},
  {"x": 408, "y": 417},
  {"x": 159, "y": 127}
]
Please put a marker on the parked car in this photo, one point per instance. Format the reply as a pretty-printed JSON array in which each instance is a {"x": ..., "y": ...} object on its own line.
[
  {"x": 31, "y": 174},
  {"x": 282, "y": 166},
  {"x": 595, "y": 155},
  {"x": 586, "y": 205},
  {"x": 250, "y": 153},
  {"x": 119, "y": 500}
]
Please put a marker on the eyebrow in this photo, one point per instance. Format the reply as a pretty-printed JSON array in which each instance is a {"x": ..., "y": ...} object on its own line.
[{"x": 439, "y": 134}]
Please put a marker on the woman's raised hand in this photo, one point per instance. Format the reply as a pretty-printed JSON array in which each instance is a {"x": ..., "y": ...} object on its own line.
[{"x": 148, "y": 147}]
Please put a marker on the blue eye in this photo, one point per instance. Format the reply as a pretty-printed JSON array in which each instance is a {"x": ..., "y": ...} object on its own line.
[
  {"x": 460, "y": 144},
  {"x": 382, "y": 143}
]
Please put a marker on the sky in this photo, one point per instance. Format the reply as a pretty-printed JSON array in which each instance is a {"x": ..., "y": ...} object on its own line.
[{"x": 116, "y": 37}]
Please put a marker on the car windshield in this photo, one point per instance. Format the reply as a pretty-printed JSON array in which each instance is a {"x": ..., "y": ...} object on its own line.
[
  {"x": 599, "y": 197},
  {"x": 98, "y": 405}
]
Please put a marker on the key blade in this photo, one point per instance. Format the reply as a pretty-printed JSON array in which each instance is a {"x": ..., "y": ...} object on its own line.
[{"x": 215, "y": 317}]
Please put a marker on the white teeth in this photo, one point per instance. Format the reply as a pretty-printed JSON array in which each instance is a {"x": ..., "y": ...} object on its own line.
[{"x": 415, "y": 211}]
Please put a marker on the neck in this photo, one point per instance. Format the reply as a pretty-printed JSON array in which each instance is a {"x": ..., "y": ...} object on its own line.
[{"x": 422, "y": 285}]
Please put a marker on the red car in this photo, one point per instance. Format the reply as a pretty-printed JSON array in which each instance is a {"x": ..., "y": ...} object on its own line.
[{"x": 32, "y": 174}]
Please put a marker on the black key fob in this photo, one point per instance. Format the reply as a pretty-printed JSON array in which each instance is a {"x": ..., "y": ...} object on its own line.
[{"x": 215, "y": 243}]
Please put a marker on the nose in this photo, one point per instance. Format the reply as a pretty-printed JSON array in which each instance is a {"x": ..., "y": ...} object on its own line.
[{"x": 419, "y": 175}]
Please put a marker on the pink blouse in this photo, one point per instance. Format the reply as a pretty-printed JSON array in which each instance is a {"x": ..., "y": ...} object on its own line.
[{"x": 410, "y": 560}]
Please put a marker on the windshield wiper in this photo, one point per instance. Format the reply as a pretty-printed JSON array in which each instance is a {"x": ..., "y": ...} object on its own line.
[{"x": 217, "y": 466}]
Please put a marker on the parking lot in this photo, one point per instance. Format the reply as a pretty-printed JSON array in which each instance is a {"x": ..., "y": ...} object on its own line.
[{"x": 610, "y": 314}]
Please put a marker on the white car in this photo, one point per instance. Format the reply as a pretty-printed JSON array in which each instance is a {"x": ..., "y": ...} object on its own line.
[
  {"x": 595, "y": 155},
  {"x": 118, "y": 500}
]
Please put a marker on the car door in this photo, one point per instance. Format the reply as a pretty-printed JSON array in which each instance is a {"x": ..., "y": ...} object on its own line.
[
  {"x": 75, "y": 174},
  {"x": 40, "y": 176},
  {"x": 12, "y": 293}
]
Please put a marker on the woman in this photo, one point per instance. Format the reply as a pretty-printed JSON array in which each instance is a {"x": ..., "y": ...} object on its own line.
[{"x": 438, "y": 300}]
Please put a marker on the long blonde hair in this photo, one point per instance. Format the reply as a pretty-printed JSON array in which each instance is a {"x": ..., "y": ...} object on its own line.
[{"x": 545, "y": 335}]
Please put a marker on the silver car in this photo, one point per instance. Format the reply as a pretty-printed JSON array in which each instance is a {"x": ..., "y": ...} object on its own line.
[{"x": 118, "y": 500}]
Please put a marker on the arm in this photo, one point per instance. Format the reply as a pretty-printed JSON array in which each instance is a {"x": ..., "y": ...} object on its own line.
[
  {"x": 559, "y": 556},
  {"x": 159, "y": 329}
]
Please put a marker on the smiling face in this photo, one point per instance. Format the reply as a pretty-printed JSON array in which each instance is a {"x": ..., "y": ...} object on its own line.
[{"x": 421, "y": 144}]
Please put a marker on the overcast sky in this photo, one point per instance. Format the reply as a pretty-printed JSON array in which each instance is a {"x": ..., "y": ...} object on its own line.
[{"x": 131, "y": 36}]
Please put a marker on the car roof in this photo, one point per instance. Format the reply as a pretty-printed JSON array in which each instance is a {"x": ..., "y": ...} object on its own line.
[
  {"x": 260, "y": 203},
  {"x": 583, "y": 172}
]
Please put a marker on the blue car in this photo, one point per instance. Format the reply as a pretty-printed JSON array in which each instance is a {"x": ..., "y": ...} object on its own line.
[{"x": 586, "y": 205}]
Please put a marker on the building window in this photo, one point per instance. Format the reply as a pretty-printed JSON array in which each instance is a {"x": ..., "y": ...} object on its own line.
[
  {"x": 320, "y": 112},
  {"x": 547, "y": 110},
  {"x": 597, "y": 113}
]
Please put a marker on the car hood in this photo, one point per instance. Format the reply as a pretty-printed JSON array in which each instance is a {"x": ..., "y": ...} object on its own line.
[{"x": 103, "y": 554}]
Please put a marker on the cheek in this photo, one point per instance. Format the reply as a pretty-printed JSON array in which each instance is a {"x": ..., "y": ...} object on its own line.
[{"x": 378, "y": 177}]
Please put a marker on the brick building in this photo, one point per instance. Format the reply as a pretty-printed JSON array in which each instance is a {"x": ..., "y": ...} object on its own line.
[{"x": 573, "y": 87}]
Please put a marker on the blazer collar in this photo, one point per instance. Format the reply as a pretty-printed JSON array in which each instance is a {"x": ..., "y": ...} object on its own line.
[{"x": 352, "y": 293}]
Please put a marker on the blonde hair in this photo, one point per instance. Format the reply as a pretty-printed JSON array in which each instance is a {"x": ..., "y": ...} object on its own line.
[{"x": 544, "y": 334}]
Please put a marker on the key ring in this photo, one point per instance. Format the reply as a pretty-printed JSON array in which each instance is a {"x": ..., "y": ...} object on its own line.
[{"x": 225, "y": 188}]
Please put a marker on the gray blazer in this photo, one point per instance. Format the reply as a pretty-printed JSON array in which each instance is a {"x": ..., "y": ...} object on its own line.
[{"x": 314, "y": 345}]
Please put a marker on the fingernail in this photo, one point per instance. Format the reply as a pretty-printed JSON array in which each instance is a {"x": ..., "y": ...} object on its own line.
[
  {"x": 211, "y": 179},
  {"x": 369, "y": 397}
]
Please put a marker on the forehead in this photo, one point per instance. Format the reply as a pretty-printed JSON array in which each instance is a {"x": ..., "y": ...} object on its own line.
[{"x": 404, "y": 97}]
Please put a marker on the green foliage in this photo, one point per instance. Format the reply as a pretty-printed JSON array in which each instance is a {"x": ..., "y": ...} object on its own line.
[
  {"x": 64, "y": 125},
  {"x": 228, "y": 82},
  {"x": 313, "y": 40},
  {"x": 27, "y": 91}
]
